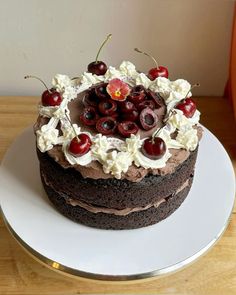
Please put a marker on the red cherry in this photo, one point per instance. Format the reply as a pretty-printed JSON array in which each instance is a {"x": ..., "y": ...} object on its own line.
[
  {"x": 131, "y": 116},
  {"x": 51, "y": 98},
  {"x": 127, "y": 128},
  {"x": 187, "y": 106},
  {"x": 154, "y": 148},
  {"x": 97, "y": 68},
  {"x": 107, "y": 107},
  {"x": 101, "y": 91},
  {"x": 156, "y": 98},
  {"x": 148, "y": 119},
  {"x": 106, "y": 125},
  {"x": 146, "y": 104},
  {"x": 159, "y": 71},
  {"x": 90, "y": 98},
  {"x": 89, "y": 116},
  {"x": 127, "y": 106},
  {"x": 80, "y": 145},
  {"x": 137, "y": 97}
]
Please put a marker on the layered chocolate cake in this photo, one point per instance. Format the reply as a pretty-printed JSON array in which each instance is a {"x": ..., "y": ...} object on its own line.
[{"x": 117, "y": 149}]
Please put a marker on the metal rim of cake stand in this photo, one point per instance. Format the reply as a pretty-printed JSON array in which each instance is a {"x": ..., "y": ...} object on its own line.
[{"x": 114, "y": 278}]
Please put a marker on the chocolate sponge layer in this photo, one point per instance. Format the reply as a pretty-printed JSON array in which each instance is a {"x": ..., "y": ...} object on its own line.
[
  {"x": 111, "y": 221},
  {"x": 114, "y": 193}
]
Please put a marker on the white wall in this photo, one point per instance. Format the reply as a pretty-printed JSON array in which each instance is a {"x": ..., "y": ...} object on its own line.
[{"x": 44, "y": 37}]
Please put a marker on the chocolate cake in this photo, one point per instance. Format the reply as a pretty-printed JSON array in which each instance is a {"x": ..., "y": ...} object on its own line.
[{"x": 117, "y": 150}]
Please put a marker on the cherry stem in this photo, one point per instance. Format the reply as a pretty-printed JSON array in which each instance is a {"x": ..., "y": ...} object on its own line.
[
  {"x": 193, "y": 86},
  {"x": 159, "y": 129},
  {"x": 68, "y": 118},
  {"x": 155, "y": 61},
  {"x": 103, "y": 43},
  {"x": 35, "y": 77}
]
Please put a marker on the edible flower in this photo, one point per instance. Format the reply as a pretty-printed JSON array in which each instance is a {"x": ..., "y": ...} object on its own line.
[{"x": 117, "y": 89}]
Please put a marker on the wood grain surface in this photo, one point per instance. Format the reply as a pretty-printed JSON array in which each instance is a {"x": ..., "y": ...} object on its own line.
[{"x": 215, "y": 273}]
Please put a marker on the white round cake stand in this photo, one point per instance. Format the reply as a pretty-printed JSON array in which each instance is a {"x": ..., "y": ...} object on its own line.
[{"x": 112, "y": 254}]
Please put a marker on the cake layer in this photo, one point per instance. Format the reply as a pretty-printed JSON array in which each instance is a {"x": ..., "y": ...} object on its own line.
[
  {"x": 133, "y": 220},
  {"x": 114, "y": 193}
]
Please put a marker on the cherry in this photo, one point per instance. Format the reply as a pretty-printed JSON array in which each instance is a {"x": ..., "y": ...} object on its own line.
[
  {"x": 146, "y": 104},
  {"x": 107, "y": 107},
  {"x": 154, "y": 148},
  {"x": 155, "y": 98},
  {"x": 148, "y": 119},
  {"x": 187, "y": 106},
  {"x": 90, "y": 98},
  {"x": 131, "y": 116},
  {"x": 101, "y": 91},
  {"x": 158, "y": 71},
  {"x": 127, "y": 128},
  {"x": 89, "y": 116},
  {"x": 106, "y": 125},
  {"x": 137, "y": 97},
  {"x": 127, "y": 106},
  {"x": 99, "y": 67},
  {"x": 50, "y": 97},
  {"x": 80, "y": 145}
]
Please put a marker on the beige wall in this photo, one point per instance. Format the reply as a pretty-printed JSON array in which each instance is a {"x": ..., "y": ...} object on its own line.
[{"x": 190, "y": 37}]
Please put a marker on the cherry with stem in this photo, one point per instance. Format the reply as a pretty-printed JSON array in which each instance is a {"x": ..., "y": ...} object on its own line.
[
  {"x": 158, "y": 71},
  {"x": 50, "y": 97},
  {"x": 99, "y": 67}
]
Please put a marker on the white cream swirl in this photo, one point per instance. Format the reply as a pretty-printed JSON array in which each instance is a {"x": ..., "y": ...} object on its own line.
[
  {"x": 116, "y": 163},
  {"x": 142, "y": 79},
  {"x": 187, "y": 136},
  {"x": 46, "y": 138}
]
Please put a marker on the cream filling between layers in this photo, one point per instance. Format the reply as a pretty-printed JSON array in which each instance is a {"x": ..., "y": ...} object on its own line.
[{"x": 118, "y": 212}]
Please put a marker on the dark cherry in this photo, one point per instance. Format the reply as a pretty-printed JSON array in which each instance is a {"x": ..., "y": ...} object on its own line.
[
  {"x": 90, "y": 98},
  {"x": 99, "y": 67},
  {"x": 137, "y": 97},
  {"x": 156, "y": 98},
  {"x": 89, "y": 116},
  {"x": 115, "y": 115},
  {"x": 127, "y": 106},
  {"x": 187, "y": 106},
  {"x": 106, "y": 125},
  {"x": 101, "y": 91},
  {"x": 139, "y": 88},
  {"x": 107, "y": 107},
  {"x": 159, "y": 71},
  {"x": 80, "y": 145},
  {"x": 127, "y": 128},
  {"x": 51, "y": 98},
  {"x": 148, "y": 119},
  {"x": 131, "y": 116},
  {"x": 146, "y": 104},
  {"x": 154, "y": 148}
]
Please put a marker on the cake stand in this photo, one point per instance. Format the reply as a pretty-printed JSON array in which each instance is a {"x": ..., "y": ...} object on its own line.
[{"x": 109, "y": 254}]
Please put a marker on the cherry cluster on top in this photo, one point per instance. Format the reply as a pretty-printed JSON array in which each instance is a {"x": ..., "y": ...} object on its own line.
[{"x": 114, "y": 107}]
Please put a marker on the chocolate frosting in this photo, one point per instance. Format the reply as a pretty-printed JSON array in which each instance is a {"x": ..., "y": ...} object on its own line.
[{"x": 94, "y": 169}]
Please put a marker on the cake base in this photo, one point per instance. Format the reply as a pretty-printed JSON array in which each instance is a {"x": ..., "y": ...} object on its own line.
[{"x": 111, "y": 221}]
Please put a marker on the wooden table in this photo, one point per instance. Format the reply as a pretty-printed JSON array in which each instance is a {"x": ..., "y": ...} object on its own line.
[{"x": 215, "y": 273}]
